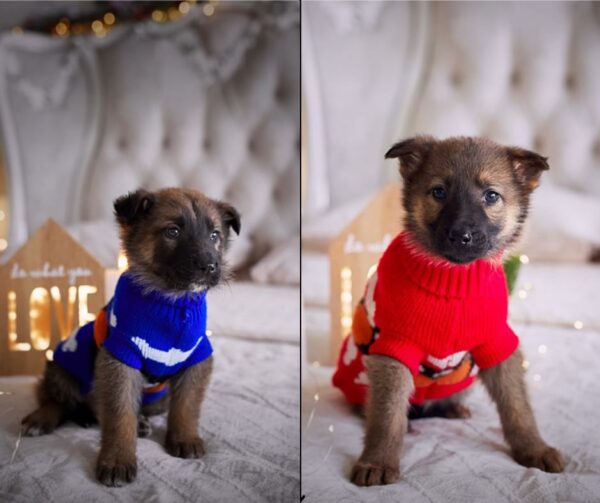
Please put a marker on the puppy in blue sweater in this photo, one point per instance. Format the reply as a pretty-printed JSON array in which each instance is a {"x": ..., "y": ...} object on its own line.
[{"x": 147, "y": 351}]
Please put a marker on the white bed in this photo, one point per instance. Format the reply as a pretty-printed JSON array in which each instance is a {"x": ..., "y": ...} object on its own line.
[
  {"x": 219, "y": 113},
  {"x": 467, "y": 460},
  {"x": 250, "y": 422}
]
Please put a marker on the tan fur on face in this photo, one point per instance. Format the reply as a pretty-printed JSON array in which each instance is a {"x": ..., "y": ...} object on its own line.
[
  {"x": 475, "y": 165},
  {"x": 168, "y": 206},
  {"x": 505, "y": 213}
]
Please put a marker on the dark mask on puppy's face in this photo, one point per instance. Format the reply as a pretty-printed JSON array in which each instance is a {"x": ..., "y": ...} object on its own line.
[
  {"x": 465, "y": 198},
  {"x": 175, "y": 239}
]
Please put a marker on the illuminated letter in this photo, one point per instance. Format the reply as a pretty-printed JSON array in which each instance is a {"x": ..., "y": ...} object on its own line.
[
  {"x": 13, "y": 345},
  {"x": 84, "y": 315},
  {"x": 64, "y": 328},
  {"x": 39, "y": 318}
]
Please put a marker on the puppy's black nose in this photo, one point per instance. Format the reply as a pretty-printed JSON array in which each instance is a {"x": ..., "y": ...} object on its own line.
[{"x": 461, "y": 236}]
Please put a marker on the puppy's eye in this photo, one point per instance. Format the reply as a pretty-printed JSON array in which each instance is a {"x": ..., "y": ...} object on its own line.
[
  {"x": 491, "y": 197},
  {"x": 172, "y": 232},
  {"x": 214, "y": 236},
  {"x": 439, "y": 193}
]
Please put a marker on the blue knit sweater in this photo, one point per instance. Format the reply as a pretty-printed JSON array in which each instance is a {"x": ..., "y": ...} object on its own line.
[{"x": 157, "y": 335}]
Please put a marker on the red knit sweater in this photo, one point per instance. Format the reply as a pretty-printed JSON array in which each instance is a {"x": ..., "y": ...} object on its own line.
[{"x": 439, "y": 319}]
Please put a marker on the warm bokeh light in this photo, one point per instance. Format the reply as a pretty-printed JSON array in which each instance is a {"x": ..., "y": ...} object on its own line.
[
  {"x": 61, "y": 29},
  {"x": 109, "y": 18},
  {"x": 97, "y": 27},
  {"x": 122, "y": 262},
  {"x": 184, "y": 7},
  {"x": 158, "y": 16}
]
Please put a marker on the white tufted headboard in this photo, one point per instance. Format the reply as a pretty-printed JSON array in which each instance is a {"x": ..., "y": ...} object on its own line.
[
  {"x": 524, "y": 73},
  {"x": 210, "y": 103}
]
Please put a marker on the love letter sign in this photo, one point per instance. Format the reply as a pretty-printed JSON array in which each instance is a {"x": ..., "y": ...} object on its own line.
[{"x": 49, "y": 287}]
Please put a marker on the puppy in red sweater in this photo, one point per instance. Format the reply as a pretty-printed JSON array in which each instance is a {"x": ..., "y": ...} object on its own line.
[{"x": 434, "y": 314}]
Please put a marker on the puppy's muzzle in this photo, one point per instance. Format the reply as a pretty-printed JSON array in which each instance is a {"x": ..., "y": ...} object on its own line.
[
  {"x": 464, "y": 237},
  {"x": 465, "y": 243},
  {"x": 209, "y": 273}
]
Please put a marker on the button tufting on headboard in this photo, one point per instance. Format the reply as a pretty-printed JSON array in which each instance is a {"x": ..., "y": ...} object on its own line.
[
  {"x": 519, "y": 73},
  {"x": 208, "y": 103},
  {"x": 234, "y": 140}
]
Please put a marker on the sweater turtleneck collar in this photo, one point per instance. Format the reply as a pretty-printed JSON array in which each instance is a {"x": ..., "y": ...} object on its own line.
[
  {"x": 480, "y": 278},
  {"x": 128, "y": 287}
]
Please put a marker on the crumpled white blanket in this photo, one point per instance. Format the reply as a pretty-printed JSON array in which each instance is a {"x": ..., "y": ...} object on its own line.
[
  {"x": 249, "y": 425},
  {"x": 467, "y": 460}
]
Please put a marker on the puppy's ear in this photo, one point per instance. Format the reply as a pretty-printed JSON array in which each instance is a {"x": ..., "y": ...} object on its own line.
[
  {"x": 133, "y": 206},
  {"x": 411, "y": 153},
  {"x": 528, "y": 166},
  {"x": 230, "y": 216}
]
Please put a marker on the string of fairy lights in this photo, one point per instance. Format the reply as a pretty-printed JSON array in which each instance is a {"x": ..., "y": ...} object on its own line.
[
  {"x": 102, "y": 24},
  {"x": 522, "y": 293}
]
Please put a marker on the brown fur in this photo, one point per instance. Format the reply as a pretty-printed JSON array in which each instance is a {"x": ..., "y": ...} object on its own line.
[
  {"x": 118, "y": 389},
  {"x": 187, "y": 393},
  {"x": 143, "y": 217},
  {"x": 469, "y": 166},
  {"x": 390, "y": 387},
  {"x": 506, "y": 385},
  {"x": 474, "y": 165}
]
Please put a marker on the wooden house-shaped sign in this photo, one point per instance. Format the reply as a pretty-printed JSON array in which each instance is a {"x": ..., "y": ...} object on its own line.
[
  {"x": 50, "y": 286},
  {"x": 353, "y": 257}
]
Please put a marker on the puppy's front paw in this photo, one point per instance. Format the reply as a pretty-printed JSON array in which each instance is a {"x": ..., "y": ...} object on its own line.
[
  {"x": 38, "y": 423},
  {"x": 115, "y": 472},
  {"x": 374, "y": 474},
  {"x": 546, "y": 458},
  {"x": 185, "y": 448}
]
